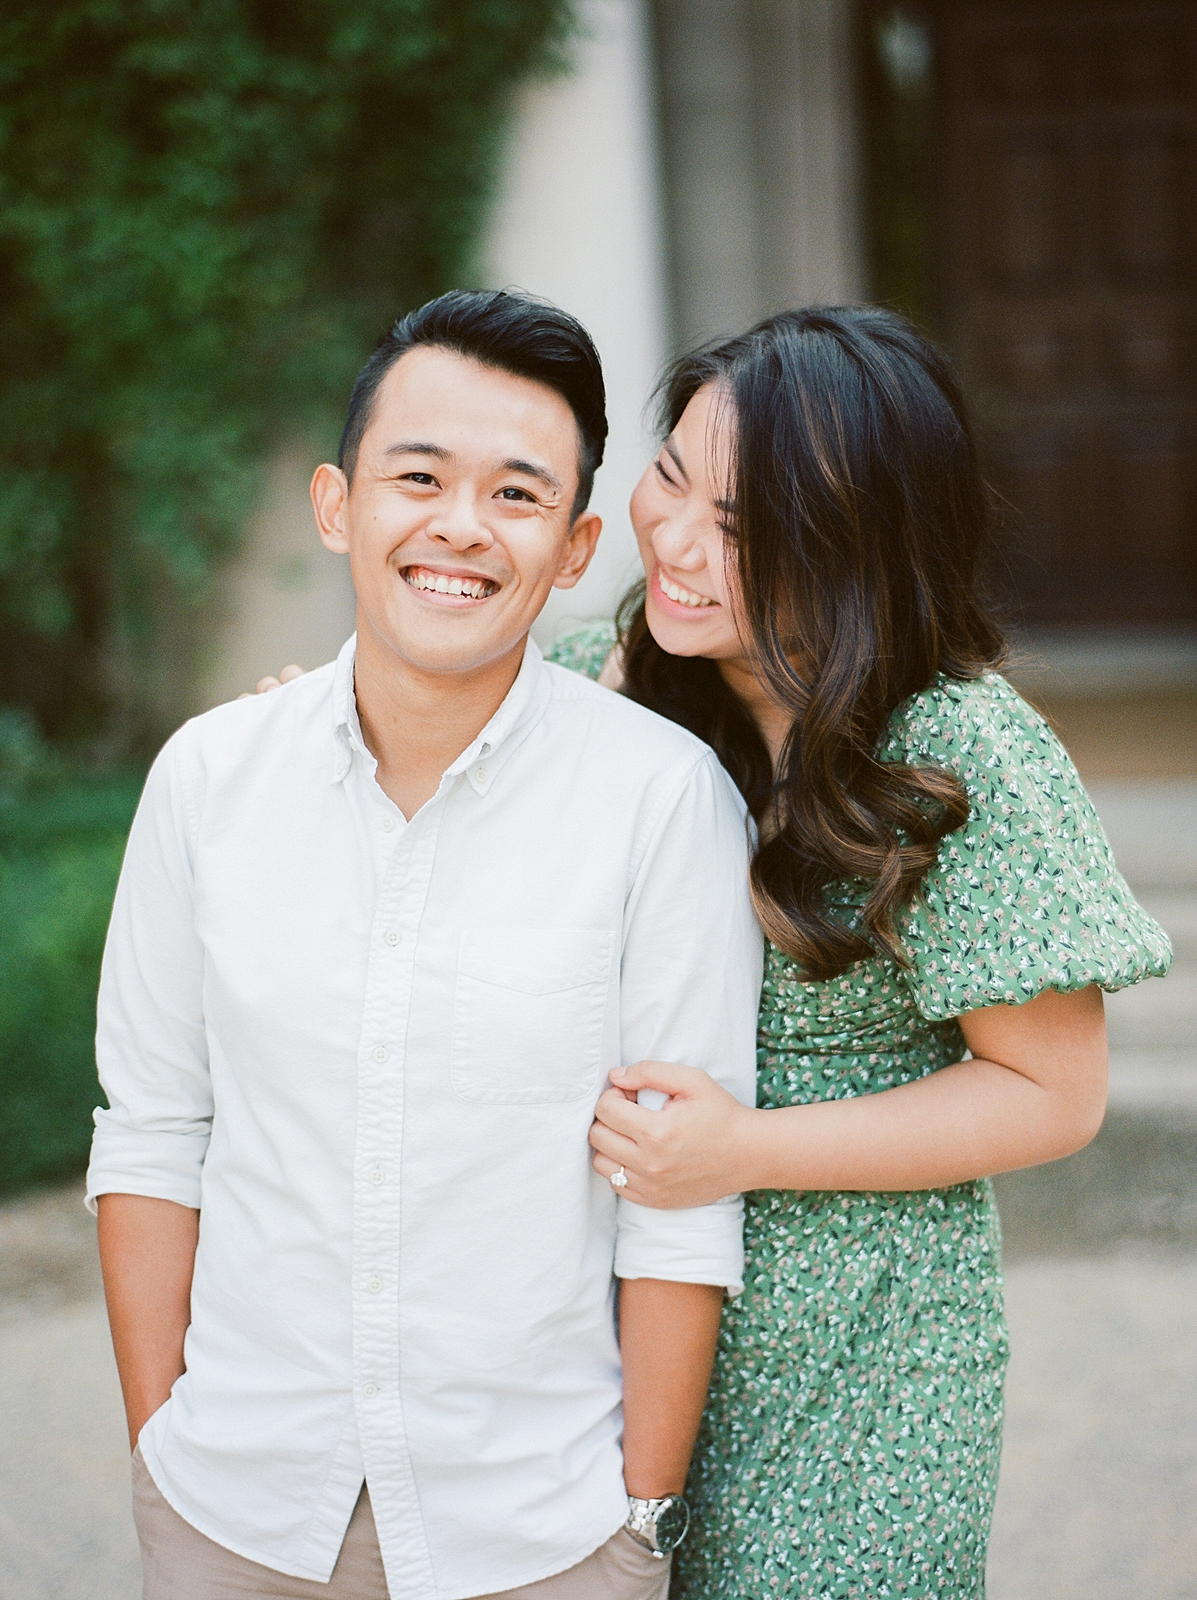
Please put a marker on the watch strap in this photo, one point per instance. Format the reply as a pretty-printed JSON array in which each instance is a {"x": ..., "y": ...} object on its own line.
[{"x": 642, "y": 1520}]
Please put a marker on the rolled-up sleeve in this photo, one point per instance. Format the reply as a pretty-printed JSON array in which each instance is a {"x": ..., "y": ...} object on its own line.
[
  {"x": 151, "y": 1047},
  {"x": 690, "y": 989}
]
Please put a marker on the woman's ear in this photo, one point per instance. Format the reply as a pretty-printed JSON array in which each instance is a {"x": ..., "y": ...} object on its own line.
[
  {"x": 330, "y": 496},
  {"x": 583, "y": 537}
]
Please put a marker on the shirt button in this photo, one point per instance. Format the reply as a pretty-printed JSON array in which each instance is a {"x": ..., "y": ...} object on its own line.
[
  {"x": 369, "y": 1390},
  {"x": 377, "y": 1177},
  {"x": 379, "y": 1052},
  {"x": 374, "y": 1285},
  {"x": 388, "y": 824},
  {"x": 391, "y": 937},
  {"x": 481, "y": 774}
]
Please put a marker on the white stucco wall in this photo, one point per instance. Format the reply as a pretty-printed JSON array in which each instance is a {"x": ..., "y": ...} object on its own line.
[
  {"x": 761, "y": 145},
  {"x": 578, "y": 222},
  {"x": 285, "y": 598}
]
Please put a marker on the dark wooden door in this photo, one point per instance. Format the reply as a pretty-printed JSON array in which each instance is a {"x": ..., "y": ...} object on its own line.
[{"x": 1067, "y": 227}]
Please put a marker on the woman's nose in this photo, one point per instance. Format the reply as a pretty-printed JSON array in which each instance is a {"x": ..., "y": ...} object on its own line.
[{"x": 676, "y": 543}]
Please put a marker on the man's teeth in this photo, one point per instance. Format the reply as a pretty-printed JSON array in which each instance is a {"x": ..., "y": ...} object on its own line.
[
  {"x": 471, "y": 588},
  {"x": 683, "y": 597}
]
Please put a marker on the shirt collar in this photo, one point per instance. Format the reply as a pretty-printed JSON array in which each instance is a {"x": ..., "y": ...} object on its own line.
[
  {"x": 347, "y": 730},
  {"x": 483, "y": 758}
]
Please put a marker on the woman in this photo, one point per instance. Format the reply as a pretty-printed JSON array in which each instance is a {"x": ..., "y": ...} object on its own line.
[{"x": 934, "y": 883}]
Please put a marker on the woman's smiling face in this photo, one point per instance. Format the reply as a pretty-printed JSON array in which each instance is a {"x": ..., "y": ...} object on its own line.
[{"x": 680, "y": 515}]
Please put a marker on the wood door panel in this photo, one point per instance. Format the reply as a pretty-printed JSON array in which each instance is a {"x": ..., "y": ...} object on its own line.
[
  {"x": 1068, "y": 287},
  {"x": 1150, "y": 349},
  {"x": 1142, "y": 200},
  {"x": 1096, "y": 507},
  {"x": 1019, "y": 71},
  {"x": 1152, "y": 63},
  {"x": 1020, "y": 243},
  {"x": 1039, "y": 352}
]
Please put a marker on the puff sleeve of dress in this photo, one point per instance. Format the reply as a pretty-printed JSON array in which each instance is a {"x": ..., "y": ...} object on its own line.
[
  {"x": 1025, "y": 896},
  {"x": 584, "y": 648}
]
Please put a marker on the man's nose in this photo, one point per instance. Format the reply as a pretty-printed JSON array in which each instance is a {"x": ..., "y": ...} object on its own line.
[{"x": 458, "y": 522}]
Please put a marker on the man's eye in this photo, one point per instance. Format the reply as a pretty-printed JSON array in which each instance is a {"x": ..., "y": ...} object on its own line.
[
  {"x": 512, "y": 493},
  {"x": 661, "y": 473},
  {"x": 418, "y": 477}
]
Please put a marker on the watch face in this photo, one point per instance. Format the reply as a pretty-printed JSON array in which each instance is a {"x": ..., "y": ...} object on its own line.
[{"x": 671, "y": 1523}]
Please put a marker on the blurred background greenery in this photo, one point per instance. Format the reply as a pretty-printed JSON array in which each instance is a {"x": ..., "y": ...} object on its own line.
[
  {"x": 62, "y": 832},
  {"x": 209, "y": 209}
]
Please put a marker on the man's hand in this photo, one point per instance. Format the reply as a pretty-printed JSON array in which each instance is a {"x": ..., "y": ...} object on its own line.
[
  {"x": 147, "y": 1253},
  {"x": 264, "y": 685}
]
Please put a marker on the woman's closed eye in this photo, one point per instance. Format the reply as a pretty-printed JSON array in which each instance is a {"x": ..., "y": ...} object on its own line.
[{"x": 664, "y": 473}]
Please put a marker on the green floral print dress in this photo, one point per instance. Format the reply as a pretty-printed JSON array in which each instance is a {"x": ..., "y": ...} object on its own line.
[{"x": 851, "y": 1441}]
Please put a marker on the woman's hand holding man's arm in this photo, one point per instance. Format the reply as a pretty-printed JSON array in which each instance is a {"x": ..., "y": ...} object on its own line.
[
  {"x": 691, "y": 1152},
  {"x": 1033, "y": 1090}
]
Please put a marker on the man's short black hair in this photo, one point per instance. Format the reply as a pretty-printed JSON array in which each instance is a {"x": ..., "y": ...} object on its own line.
[{"x": 512, "y": 333}]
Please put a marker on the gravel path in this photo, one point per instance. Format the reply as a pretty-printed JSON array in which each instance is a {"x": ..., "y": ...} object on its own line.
[
  {"x": 1098, "y": 1492},
  {"x": 65, "y": 1527},
  {"x": 1099, "y": 1474}
]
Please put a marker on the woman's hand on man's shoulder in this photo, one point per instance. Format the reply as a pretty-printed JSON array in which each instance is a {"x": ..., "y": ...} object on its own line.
[{"x": 264, "y": 685}]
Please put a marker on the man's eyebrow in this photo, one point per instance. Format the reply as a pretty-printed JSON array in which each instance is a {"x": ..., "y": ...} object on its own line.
[
  {"x": 416, "y": 447},
  {"x": 531, "y": 469}
]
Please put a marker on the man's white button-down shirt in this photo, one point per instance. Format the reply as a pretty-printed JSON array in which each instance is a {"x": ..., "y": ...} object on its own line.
[{"x": 369, "y": 1051}]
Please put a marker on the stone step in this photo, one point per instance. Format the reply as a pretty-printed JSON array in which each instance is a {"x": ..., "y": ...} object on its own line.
[
  {"x": 1155, "y": 1081},
  {"x": 1152, "y": 828},
  {"x": 1177, "y": 915},
  {"x": 1158, "y": 1014},
  {"x": 1134, "y": 1187}
]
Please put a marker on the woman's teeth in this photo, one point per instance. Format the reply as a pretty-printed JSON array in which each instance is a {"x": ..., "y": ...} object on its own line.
[
  {"x": 682, "y": 597},
  {"x": 471, "y": 588}
]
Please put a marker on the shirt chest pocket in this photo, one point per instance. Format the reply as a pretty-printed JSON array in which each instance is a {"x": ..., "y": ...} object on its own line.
[{"x": 528, "y": 1014}]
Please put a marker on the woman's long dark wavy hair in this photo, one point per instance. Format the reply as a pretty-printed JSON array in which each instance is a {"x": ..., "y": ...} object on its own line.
[{"x": 858, "y": 530}]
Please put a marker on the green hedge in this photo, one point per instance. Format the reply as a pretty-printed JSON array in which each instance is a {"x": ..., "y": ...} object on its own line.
[
  {"x": 209, "y": 210},
  {"x": 62, "y": 834}
]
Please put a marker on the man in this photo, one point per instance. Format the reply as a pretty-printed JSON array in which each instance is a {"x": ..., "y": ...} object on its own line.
[{"x": 379, "y": 938}]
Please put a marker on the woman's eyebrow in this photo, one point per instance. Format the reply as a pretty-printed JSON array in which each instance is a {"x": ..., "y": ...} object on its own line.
[{"x": 672, "y": 452}]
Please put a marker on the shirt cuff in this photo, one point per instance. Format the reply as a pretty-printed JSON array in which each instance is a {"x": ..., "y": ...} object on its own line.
[
  {"x": 703, "y": 1245},
  {"x": 161, "y": 1166}
]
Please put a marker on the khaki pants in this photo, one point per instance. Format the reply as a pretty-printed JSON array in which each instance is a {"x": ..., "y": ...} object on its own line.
[{"x": 180, "y": 1563}]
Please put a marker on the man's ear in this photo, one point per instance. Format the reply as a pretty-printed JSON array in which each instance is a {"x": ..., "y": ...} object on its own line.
[
  {"x": 330, "y": 494},
  {"x": 583, "y": 537}
]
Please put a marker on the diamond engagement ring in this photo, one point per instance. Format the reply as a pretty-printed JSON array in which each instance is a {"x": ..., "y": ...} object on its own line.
[{"x": 619, "y": 1180}]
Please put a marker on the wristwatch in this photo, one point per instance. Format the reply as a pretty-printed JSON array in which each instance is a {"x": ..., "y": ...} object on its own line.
[{"x": 659, "y": 1525}]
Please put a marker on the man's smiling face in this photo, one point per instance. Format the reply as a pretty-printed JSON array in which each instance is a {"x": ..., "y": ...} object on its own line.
[{"x": 459, "y": 517}]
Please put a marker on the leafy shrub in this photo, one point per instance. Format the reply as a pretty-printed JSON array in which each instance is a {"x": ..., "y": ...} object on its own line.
[
  {"x": 209, "y": 209},
  {"x": 62, "y": 834}
]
